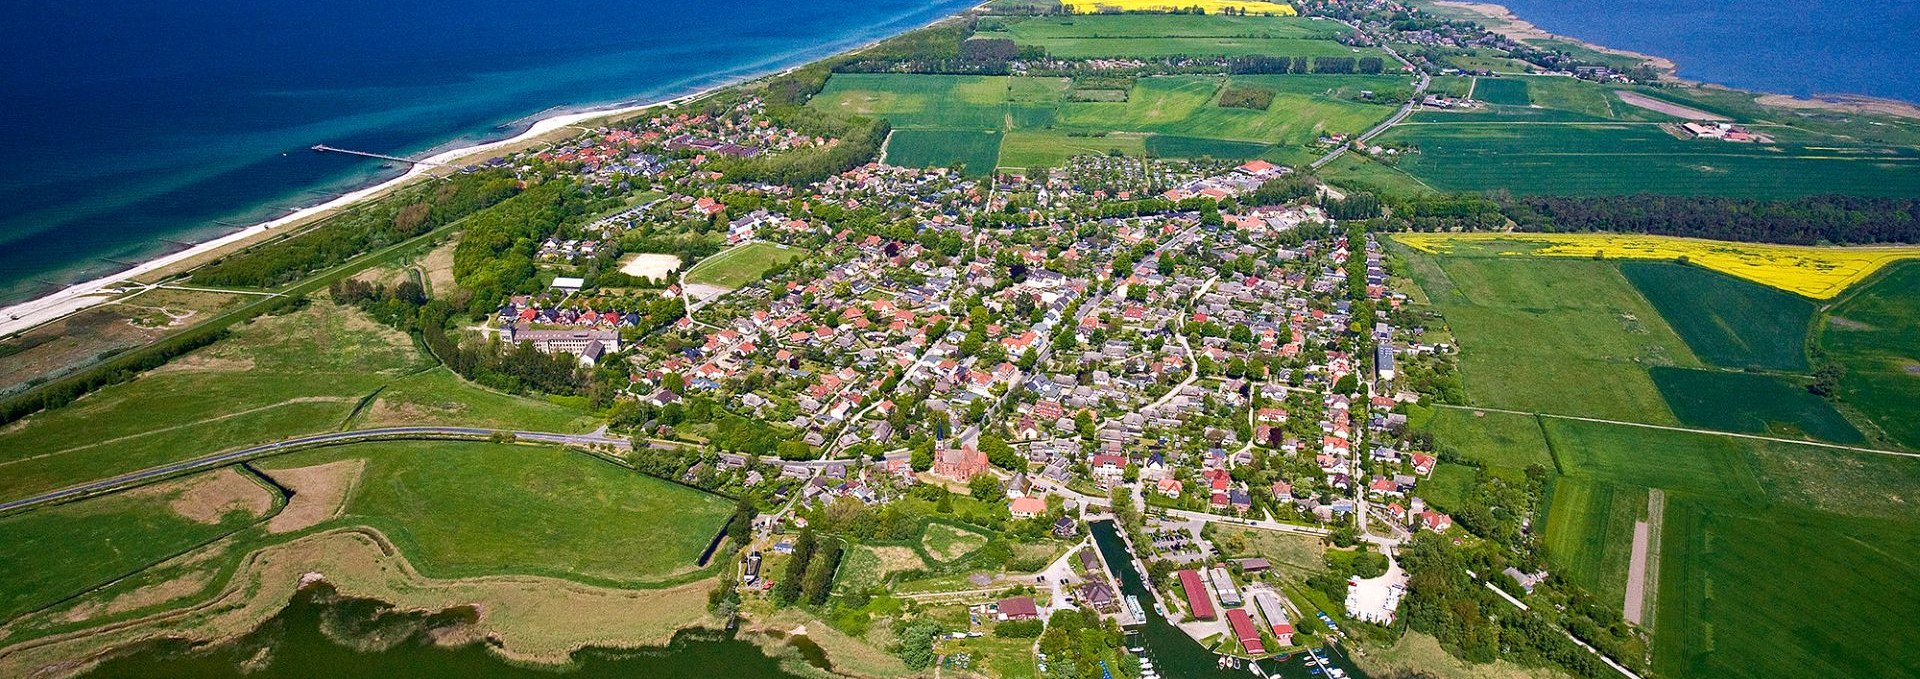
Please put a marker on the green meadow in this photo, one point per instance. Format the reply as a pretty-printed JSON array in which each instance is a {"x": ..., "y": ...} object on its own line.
[
  {"x": 459, "y": 509},
  {"x": 1589, "y": 536},
  {"x": 1495, "y": 440},
  {"x": 58, "y": 552},
  {"x": 1042, "y": 122},
  {"x": 1304, "y": 108},
  {"x": 741, "y": 264},
  {"x": 1774, "y": 555},
  {"x": 1615, "y": 158},
  {"x": 1052, "y": 148},
  {"x": 910, "y": 101},
  {"x": 1870, "y": 333},
  {"x": 1569, "y": 337},
  {"x": 1752, "y": 403},
  {"x": 976, "y": 152},
  {"x": 1503, "y": 91},
  {"x": 1729, "y": 322},
  {"x": 276, "y": 377}
]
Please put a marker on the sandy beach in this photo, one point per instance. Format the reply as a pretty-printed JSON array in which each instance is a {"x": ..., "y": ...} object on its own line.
[
  {"x": 25, "y": 315},
  {"x": 53, "y": 306},
  {"x": 1503, "y": 21}
]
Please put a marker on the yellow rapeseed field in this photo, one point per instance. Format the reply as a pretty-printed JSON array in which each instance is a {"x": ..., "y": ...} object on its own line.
[
  {"x": 1816, "y": 272},
  {"x": 1254, "y": 7}
]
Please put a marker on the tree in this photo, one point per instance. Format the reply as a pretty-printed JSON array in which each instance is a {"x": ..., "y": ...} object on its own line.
[
  {"x": 673, "y": 382},
  {"x": 787, "y": 590},
  {"x": 819, "y": 582},
  {"x": 1000, "y": 453},
  {"x": 916, "y": 643},
  {"x": 922, "y": 457},
  {"x": 984, "y": 487}
]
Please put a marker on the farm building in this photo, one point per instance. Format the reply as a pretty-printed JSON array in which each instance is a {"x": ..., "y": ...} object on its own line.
[
  {"x": 1018, "y": 608},
  {"x": 1245, "y": 631},
  {"x": 1276, "y": 614},
  {"x": 1224, "y": 588},
  {"x": 1197, "y": 601}
]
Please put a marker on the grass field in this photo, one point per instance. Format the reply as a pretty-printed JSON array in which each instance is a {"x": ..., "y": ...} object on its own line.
[
  {"x": 1871, "y": 334},
  {"x": 946, "y": 543},
  {"x": 1728, "y": 322},
  {"x": 741, "y": 264},
  {"x": 976, "y": 152},
  {"x": 1784, "y": 592},
  {"x": 1817, "y": 272},
  {"x": 1503, "y": 91},
  {"x": 57, "y": 552},
  {"x": 1449, "y": 486},
  {"x": 1589, "y": 536},
  {"x": 950, "y": 102},
  {"x": 1186, "y": 106},
  {"x": 468, "y": 508},
  {"x": 1751, "y": 403},
  {"x": 276, "y": 377},
  {"x": 1557, "y": 336},
  {"x": 1175, "y": 146},
  {"x": 1496, "y": 440},
  {"x": 1774, "y": 555},
  {"x": 1047, "y": 148},
  {"x": 1701, "y": 464},
  {"x": 1458, "y": 154}
]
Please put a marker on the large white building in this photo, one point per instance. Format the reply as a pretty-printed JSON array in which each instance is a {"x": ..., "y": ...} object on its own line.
[{"x": 587, "y": 345}]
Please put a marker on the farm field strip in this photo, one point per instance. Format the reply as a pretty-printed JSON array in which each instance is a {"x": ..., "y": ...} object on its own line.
[
  {"x": 1623, "y": 157},
  {"x": 1210, "y": 6},
  {"x": 1870, "y": 333},
  {"x": 1691, "y": 430},
  {"x": 1810, "y": 271}
]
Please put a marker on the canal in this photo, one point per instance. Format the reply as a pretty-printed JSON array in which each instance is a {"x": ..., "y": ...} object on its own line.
[{"x": 1178, "y": 656}]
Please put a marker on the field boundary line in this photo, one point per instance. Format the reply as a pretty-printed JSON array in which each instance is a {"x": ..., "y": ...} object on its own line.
[{"x": 1690, "y": 430}]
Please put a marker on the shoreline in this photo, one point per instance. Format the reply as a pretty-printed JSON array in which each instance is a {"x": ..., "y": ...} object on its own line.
[
  {"x": 23, "y": 316},
  {"x": 1501, "y": 19},
  {"x": 80, "y": 296}
]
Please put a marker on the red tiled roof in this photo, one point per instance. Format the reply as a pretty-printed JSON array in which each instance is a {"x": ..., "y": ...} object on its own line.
[{"x": 1197, "y": 601}]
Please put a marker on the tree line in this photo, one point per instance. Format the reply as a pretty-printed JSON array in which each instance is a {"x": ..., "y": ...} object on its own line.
[
  {"x": 1281, "y": 65},
  {"x": 810, "y": 571},
  {"x": 1806, "y": 220},
  {"x": 360, "y": 229}
]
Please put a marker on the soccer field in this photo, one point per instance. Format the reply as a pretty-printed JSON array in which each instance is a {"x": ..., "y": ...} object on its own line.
[{"x": 740, "y": 264}]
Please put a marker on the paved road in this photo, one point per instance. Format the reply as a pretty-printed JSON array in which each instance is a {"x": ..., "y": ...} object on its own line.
[
  {"x": 1405, "y": 110},
  {"x": 1400, "y": 115},
  {"x": 290, "y": 445}
]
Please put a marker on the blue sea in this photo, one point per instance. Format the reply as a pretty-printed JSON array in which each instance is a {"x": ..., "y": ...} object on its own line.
[
  {"x": 1807, "y": 47},
  {"x": 128, "y": 128}
]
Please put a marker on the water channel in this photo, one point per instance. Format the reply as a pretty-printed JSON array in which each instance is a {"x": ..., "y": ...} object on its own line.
[{"x": 1176, "y": 655}]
